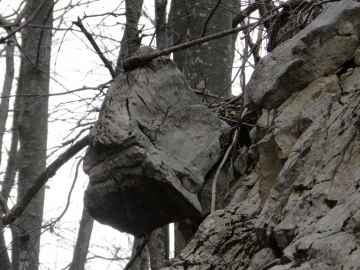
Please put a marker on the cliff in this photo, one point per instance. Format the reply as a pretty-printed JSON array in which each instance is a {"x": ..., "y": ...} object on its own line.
[{"x": 295, "y": 203}]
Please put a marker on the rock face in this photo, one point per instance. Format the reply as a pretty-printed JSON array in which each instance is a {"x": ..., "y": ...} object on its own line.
[
  {"x": 299, "y": 208},
  {"x": 319, "y": 50},
  {"x": 150, "y": 150}
]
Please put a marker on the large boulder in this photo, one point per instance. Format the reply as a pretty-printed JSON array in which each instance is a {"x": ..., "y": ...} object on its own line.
[{"x": 150, "y": 150}]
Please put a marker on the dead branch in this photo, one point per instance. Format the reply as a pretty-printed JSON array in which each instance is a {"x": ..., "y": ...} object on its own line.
[
  {"x": 107, "y": 63},
  {"x": 135, "y": 61},
  {"x": 209, "y": 17},
  {"x": 138, "y": 251},
  {"x": 213, "y": 197},
  {"x": 50, "y": 171},
  {"x": 3, "y": 39}
]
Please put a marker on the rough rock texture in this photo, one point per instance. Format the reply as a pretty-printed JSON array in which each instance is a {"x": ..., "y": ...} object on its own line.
[
  {"x": 318, "y": 50},
  {"x": 302, "y": 199},
  {"x": 150, "y": 150},
  {"x": 225, "y": 240}
]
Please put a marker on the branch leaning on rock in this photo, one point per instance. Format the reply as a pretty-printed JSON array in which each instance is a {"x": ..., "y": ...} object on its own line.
[
  {"x": 106, "y": 62},
  {"x": 217, "y": 174},
  {"x": 228, "y": 151},
  {"x": 135, "y": 61}
]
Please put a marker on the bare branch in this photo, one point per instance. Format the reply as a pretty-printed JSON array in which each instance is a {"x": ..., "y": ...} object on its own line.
[
  {"x": 209, "y": 17},
  {"x": 107, "y": 63},
  {"x": 213, "y": 197},
  {"x": 133, "y": 62},
  {"x": 2, "y": 40},
  {"x": 138, "y": 251},
  {"x": 50, "y": 171}
]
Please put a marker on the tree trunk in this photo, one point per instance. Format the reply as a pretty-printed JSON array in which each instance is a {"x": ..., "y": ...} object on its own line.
[
  {"x": 82, "y": 242},
  {"x": 4, "y": 109},
  {"x": 33, "y": 128},
  {"x": 177, "y": 28},
  {"x": 179, "y": 239},
  {"x": 166, "y": 232},
  {"x": 157, "y": 249},
  {"x": 160, "y": 20},
  {"x": 4, "y": 256},
  {"x": 130, "y": 42},
  {"x": 208, "y": 67},
  {"x": 9, "y": 76}
]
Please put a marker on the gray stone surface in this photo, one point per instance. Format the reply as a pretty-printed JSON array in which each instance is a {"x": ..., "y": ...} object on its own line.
[
  {"x": 150, "y": 150},
  {"x": 223, "y": 241},
  {"x": 318, "y": 50},
  {"x": 303, "y": 197}
]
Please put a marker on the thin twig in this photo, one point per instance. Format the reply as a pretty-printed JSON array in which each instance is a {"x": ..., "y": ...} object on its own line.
[
  {"x": 2, "y": 40},
  {"x": 213, "y": 197},
  {"x": 209, "y": 17},
  {"x": 138, "y": 251},
  {"x": 107, "y": 63},
  {"x": 69, "y": 195}
]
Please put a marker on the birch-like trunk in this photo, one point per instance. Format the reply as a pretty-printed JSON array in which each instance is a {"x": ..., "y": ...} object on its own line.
[
  {"x": 33, "y": 128},
  {"x": 82, "y": 241},
  {"x": 208, "y": 67}
]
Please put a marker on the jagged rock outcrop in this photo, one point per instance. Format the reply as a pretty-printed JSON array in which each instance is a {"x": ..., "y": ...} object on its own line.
[
  {"x": 150, "y": 150},
  {"x": 318, "y": 50},
  {"x": 302, "y": 199}
]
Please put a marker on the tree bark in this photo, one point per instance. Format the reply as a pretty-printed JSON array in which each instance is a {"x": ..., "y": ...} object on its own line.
[
  {"x": 177, "y": 29},
  {"x": 36, "y": 46},
  {"x": 9, "y": 76},
  {"x": 160, "y": 20},
  {"x": 157, "y": 249},
  {"x": 4, "y": 256},
  {"x": 11, "y": 167},
  {"x": 179, "y": 240},
  {"x": 166, "y": 232},
  {"x": 208, "y": 67},
  {"x": 131, "y": 41}
]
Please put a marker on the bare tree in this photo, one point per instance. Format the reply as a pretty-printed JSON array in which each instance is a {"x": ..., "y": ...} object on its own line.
[{"x": 36, "y": 46}]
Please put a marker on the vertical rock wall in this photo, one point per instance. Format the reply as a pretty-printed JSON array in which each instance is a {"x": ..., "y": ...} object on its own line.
[{"x": 299, "y": 208}]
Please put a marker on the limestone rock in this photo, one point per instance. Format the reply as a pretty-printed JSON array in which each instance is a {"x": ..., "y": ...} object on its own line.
[
  {"x": 318, "y": 50},
  {"x": 317, "y": 193},
  {"x": 225, "y": 240},
  {"x": 150, "y": 150},
  {"x": 303, "y": 197}
]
